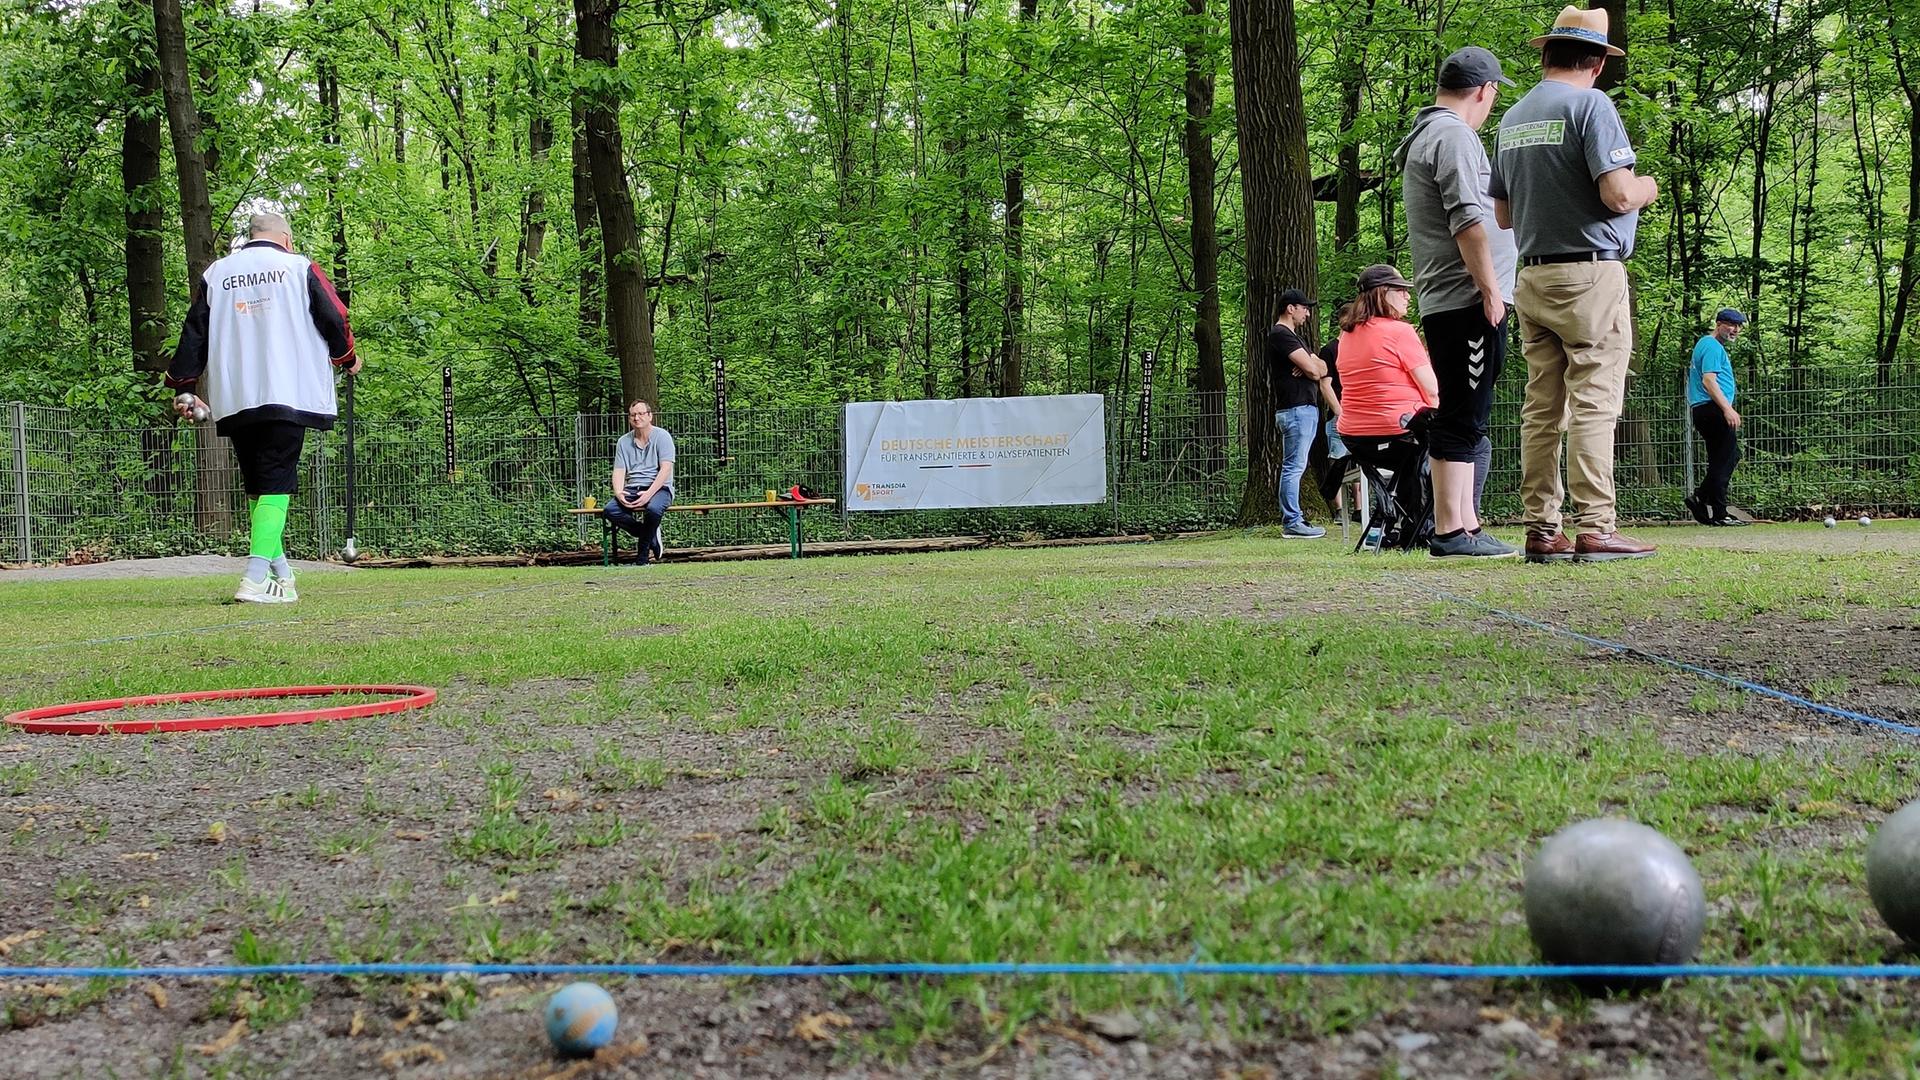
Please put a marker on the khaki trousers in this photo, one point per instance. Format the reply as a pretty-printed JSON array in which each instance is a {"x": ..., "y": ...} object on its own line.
[{"x": 1577, "y": 335}]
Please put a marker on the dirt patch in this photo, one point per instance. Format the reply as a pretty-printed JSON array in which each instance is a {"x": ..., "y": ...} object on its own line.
[
  {"x": 1847, "y": 537},
  {"x": 179, "y": 566}
]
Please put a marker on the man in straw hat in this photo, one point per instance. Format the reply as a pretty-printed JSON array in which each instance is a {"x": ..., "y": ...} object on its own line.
[{"x": 1563, "y": 180}]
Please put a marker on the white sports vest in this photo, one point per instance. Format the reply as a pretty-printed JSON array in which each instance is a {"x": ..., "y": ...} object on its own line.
[{"x": 262, "y": 347}]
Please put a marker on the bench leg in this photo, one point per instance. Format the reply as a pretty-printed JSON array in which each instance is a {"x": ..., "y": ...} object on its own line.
[
  {"x": 609, "y": 545},
  {"x": 793, "y": 531}
]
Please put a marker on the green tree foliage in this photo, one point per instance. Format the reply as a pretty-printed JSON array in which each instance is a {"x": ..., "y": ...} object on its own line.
[{"x": 819, "y": 185}]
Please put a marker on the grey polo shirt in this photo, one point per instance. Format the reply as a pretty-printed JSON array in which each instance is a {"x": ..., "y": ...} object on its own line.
[
  {"x": 1555, "y": 144},
  {"x": 643, "y": 462},
  {"x": 1445, "y": 176}
]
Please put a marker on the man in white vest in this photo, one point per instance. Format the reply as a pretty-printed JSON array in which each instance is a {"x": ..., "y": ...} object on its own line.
[{"x": 265, "y": 333}]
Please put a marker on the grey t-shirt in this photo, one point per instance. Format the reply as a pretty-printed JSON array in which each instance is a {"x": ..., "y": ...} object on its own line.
[
  {"x": 1555, "y": 144},
  {"x": 1445, "y": 174},
  {"x": 643, "y": 462}
]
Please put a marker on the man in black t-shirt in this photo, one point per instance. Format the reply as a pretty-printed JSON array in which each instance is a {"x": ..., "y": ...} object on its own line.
[{"x": 1295, "y": 372}]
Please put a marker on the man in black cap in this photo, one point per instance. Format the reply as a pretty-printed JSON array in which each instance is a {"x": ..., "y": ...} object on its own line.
[
  {"x": 1463, "y": 268},
  {"x": 1710, "y": 393},
  {"x": 1296, "y": 374}
]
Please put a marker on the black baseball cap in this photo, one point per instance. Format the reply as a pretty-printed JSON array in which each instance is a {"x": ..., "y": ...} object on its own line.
[
  {"x": 1290, "y": 297},
  {"x": 1470, "y": 68}
]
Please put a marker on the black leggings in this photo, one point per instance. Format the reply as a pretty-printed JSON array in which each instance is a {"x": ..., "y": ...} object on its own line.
[{"x": 1723, "y": 453}]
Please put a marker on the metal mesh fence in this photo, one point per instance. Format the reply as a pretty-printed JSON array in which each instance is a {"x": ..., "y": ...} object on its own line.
[
  {"x": 67, "y": 488},
  {"x": 114, "y": 491},
  {"x": 1808, "y": 441}
]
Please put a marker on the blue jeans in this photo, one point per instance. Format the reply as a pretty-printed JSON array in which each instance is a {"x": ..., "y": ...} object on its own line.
[
  {"x": 645, "y": 525},
  {"x": 1297, "y": 426},
  {"x": 1336, "y": 446}
]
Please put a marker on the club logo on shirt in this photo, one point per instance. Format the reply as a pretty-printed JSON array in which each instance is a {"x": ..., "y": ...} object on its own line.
[
  {"x": 1620, "y": 153},
  {"x": 1538, "y": 133}
]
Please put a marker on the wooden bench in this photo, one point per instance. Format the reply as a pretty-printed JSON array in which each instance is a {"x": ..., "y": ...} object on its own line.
[{"x": 610, "y": 536}]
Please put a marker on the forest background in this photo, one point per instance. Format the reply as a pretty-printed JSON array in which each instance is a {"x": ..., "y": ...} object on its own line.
[{"x": 835, "y": 200}]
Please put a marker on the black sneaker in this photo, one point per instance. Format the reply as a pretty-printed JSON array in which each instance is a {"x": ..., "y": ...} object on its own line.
[
  {"x": 1698, "y": 509},
  {"x": 1728, "y": 521}
]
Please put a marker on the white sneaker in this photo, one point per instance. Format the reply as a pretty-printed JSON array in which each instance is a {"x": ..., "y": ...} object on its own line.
[
  {"x": 270, "y": 591},
  {"x": 287, "y": 590}
]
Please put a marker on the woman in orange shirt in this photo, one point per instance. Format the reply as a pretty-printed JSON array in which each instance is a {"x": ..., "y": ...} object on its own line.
[{"x": 1385, "y": 373}]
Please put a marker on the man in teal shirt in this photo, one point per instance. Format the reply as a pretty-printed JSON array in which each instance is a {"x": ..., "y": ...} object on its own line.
[{"x": 1710, "y": 393}]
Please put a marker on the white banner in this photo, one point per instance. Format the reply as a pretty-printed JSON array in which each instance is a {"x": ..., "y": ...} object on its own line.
[{"x": 975, "y": 452}]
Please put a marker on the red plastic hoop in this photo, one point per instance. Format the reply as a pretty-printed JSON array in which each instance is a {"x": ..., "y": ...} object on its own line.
[{"x": 44, "y": 721}]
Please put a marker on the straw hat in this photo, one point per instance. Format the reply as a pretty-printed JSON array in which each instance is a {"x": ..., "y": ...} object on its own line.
[{"x": 1579, "y": 24}]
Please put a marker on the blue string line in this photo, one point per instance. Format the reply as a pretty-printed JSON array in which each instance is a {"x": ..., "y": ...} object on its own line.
[
  {"x": 1174, "y": 969},
  {"x": 1680, "y": 665}
]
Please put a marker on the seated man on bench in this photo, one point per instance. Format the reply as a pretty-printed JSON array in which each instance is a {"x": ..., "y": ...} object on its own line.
[{"x": 642, "y": 481}]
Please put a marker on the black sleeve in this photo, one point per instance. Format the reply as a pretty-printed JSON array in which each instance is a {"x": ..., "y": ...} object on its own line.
[
  {"x": 190, "y": 357},
  {"x": 1330, "y": 355},
  {"x": 329, "y": 315}
]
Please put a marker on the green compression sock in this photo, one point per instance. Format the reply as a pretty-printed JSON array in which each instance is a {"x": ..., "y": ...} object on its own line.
[{"x": 269, "y": 527}]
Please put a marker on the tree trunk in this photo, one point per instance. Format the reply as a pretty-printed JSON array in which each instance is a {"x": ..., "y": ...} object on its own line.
[
  {"x": 139, "y": 172},
  {"x": 619, "y": 237},
  {"x": 1909, "y": 267},
  {"x": 183, "y": 124},
  {"x": 586, "y": 218},
  {"x": 1872, "y": 189},
  {"x": 963, "y": 287},
  {"x": 1276, "y": 191},
  {"x": 330, "y": 138},
  {"x": 1012, "y": 353},
  {"x": 206, "y": 13},
  {"x": 1346, "y": 197},
  {"x": 533, "y": 217},
  {"x": 213, "y": 472},
  {"x": 1804, "y": 217},
  {"x": 1210, "y": 372},
  {"x": 1762, "y": 150},
  {"x": 1910, "y": 252}
]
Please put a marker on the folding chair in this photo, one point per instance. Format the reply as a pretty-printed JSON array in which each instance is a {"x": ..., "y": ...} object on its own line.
[{"x": 1395, "y": 467}]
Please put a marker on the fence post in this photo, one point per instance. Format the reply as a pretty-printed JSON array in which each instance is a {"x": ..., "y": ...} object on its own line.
[
  {"x": 322, "y": 536},
  {"x": 580, "y": 474},
  {"x": 20, "y": 480},
  {"x": 1686, "y": 440},
  {"x": 1114, "y": 450}
]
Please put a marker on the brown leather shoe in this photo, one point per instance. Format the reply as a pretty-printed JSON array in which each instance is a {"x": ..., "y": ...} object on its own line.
[
  {"x": 1608, "y": 547},
  {"x": 1545, "y": 548}
]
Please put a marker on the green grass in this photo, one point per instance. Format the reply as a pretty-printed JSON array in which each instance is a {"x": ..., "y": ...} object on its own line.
[{"x": 1250, "y": 750}]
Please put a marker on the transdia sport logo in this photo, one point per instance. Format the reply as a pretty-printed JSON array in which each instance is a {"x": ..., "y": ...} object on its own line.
[{"x": 879, "y": 492}]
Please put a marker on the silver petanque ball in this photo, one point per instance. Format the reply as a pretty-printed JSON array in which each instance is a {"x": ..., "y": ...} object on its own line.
[
  {"x": 1893, "y": 871},
  {"x": 1613, "y": 892}
]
